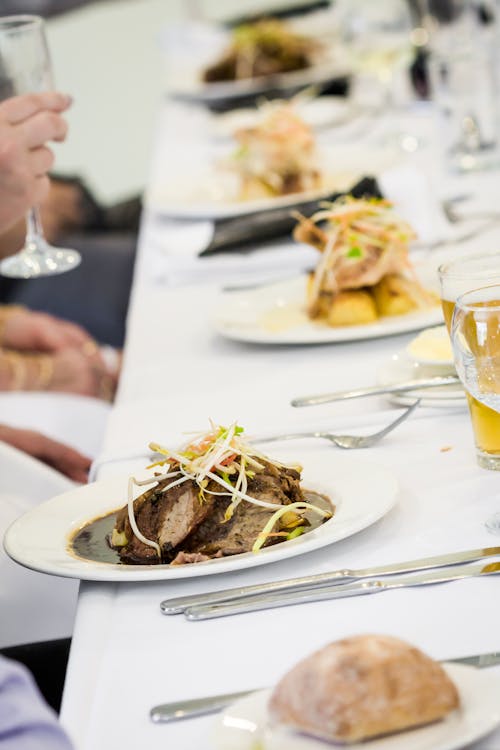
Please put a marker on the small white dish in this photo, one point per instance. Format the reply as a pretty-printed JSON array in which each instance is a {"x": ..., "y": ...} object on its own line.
[
  {"x": 401, "y": 367},
  {"x": 244, "y": 726}
]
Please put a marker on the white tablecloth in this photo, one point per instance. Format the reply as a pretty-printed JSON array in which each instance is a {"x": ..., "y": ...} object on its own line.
[{"x": 126, "y": 656}]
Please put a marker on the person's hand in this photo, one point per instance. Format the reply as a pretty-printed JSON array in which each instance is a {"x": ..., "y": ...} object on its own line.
[
  {"x": 57, "y": 455},
  {"x": 27, "y": 123},
  {"x": 40, "y": 332},
  {"x": 75, "y": 372}
]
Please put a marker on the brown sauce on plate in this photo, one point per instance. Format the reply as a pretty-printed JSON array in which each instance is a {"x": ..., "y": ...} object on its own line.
[{"x": 91, "y": 541}]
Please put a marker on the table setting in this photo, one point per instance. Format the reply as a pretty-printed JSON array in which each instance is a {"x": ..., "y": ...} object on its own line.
[{"x": 291, "y": 432}]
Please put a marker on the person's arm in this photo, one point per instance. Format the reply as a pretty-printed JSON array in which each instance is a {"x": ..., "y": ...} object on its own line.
[
  {"x": 26, "y": 722},
  {"x": 27, "y": 124},
  {"x": 59, "y": 456}
]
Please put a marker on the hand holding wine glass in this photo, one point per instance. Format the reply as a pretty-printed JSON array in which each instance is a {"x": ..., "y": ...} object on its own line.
[{"x": 28, "y": 122}]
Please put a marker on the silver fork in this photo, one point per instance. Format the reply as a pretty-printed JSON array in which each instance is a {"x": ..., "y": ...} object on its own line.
[{"x": 345, "y": 441}]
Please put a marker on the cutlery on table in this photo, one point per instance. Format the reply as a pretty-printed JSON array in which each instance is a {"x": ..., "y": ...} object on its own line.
[
  {"x": 343, "y": 441},
  {"x": 376, "y": 390},
  {"x": 190, "y": 709},
  {"x": 179, "y": 604},
  {"x": 359, "y": 588}
]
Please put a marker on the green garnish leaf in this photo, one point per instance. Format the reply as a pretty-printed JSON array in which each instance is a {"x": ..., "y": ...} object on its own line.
[{"x": 354, "y": 252}]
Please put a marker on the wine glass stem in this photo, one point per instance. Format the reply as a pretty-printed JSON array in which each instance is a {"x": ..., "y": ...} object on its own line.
[{"x": 35, "y": 239}]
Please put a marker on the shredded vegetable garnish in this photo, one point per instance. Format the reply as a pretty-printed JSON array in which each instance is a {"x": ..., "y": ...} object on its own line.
[
  {"x": 221, "y": 458},
  {"x": 278, "y": 154},
  {"x": 266, "y": 531},
  {"x": 361, "y": 240}
]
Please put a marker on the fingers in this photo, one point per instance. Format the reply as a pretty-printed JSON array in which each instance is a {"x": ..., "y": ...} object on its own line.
[
  {"x": 42, "y": 160},
  {"x": 43, "y": 127},
  {"x": 19, "y": 108},
  {"x": 63, "y": 458}
]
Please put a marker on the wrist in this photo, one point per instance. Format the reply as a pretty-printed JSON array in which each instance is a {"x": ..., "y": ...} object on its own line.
[{"x": 25, "y": 372}]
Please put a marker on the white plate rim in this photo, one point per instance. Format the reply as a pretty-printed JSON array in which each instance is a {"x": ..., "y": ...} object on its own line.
[
  {"x": 469, "y": 681},
  {"x": 47, "y": 552},
  {"x": 311, "y": 333}
]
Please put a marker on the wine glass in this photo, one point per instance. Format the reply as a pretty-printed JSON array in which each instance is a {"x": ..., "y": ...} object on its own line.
[
  {"x": 25, "y": 67},
  {"x": 378, "y": 38},
  {"x": 475, "y": 335},
  {"x": 463, "y": 43}
]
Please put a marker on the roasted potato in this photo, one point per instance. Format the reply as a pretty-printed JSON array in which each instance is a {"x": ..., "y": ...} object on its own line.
[
  {"x": 395, "y": 295},
  {"x": 351, "y": 308}
]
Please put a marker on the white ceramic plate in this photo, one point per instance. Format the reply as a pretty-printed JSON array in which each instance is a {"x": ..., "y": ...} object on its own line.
[
  {"x": 362, "y": 493},
  {"x": 208, "y": 191},
  {"x": 402, "y": 367},
  {"x": 243, "y": 725},
  {"x": 213, "y": 93},
  {"x": 275, "y": 314}
]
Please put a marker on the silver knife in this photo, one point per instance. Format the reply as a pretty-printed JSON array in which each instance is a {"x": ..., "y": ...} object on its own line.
[
  {"x": 190, "y": 709},
  {"x": 178, "y": 604},
  {"x": 376, "y": 390},
  {"x": 373, "y": 586}
]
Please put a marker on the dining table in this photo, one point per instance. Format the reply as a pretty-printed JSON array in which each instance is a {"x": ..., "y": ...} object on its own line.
[{"x": 179, "y": 372}]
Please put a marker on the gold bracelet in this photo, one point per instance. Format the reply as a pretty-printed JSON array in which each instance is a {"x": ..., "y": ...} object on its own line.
[
  {"x": 19, "y": 372},
  {"x": 6, "y": 312},
  {"x": 45, "y": 372}
]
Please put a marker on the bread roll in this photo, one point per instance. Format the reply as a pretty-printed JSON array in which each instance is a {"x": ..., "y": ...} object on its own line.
[{"x": 362, "y": 687}]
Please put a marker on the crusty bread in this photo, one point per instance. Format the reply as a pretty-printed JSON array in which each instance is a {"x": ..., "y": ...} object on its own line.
[{"x": 362, "y": 687}]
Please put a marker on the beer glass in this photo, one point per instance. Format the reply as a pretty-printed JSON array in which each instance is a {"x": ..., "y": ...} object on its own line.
[
  {"x": 475, "y": 334},
  {"x": 456, "y": 278},
  {"x": 25, "y": 68}
]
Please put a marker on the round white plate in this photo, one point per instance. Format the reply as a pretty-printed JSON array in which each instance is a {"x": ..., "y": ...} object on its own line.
[
  {"x": 401, "y": 367},
  {"x": 275, "y": 314},
  {"x": 243, "y": 725},
  {"x": 362, "y": 493},
  {"x": 220, "y": 91},
  {"x": 209, "y": 191}
]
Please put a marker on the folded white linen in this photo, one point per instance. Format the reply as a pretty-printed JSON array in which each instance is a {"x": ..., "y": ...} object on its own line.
[{"x": 34, "y": 607}]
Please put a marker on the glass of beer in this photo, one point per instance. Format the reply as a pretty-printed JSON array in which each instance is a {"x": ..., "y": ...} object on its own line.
[
  {"x": 475, "y": 336},
  {"x": 456, "y": 278}
]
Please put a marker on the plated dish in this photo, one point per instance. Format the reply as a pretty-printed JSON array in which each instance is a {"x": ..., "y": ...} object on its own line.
[
  {"x": 275, "y": 314},
  {"x": 364, "y": 270},
  {"x": 361, "y": 492},
  {"x": 268, "y": 55},
  {"x": 274, "y": 162},
  {"x": 244, "y": 726}
]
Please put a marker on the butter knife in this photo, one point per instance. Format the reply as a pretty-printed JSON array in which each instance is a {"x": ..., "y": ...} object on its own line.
[
  {"x": 373, "y": 586},
  {"x": 190, "y": 709},
  {"x": 376, "y": 390},
  {"x": 178, "y": 604}
]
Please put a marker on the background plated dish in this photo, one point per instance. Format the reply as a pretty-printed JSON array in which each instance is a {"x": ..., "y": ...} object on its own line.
[
  {"x": 362, "y": 492},
  {"x": 197, "y": 190},
  {"x": 243, "y": 725},
  {"x": 275, "y": 314}
]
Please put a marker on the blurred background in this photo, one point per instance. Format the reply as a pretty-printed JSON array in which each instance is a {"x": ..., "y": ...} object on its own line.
[{"x": 107, "y": 55}]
